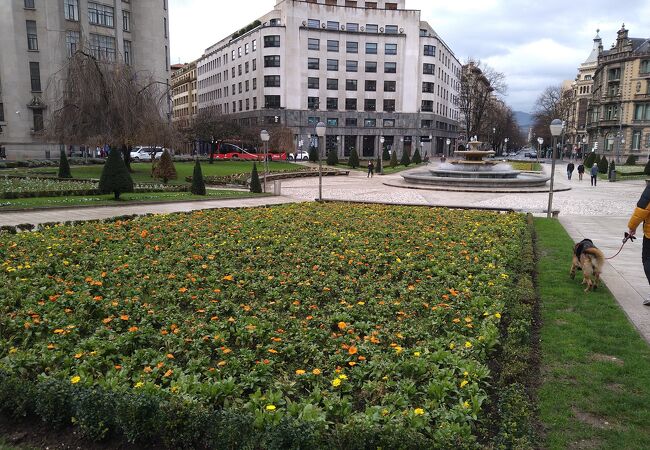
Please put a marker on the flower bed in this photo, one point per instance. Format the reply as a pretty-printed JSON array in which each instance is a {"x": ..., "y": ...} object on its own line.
[{"x": 303, "y": 325}]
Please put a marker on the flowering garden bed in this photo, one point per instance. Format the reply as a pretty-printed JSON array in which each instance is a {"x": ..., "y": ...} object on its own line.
[{"x": 310, "y": 325}]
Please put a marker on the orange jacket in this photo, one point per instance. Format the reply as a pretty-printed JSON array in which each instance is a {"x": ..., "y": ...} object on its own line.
[{"x": 642, "y": 213}]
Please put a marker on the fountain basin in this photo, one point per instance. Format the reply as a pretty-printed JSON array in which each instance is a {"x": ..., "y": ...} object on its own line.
[{"x": 472, "y": 180}]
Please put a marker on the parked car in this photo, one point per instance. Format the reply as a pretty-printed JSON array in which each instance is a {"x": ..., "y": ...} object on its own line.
[
  {"x": 532, "y": 154},
  {"x": 146, "y": 153},
  {"x": 300, "y": 155}
]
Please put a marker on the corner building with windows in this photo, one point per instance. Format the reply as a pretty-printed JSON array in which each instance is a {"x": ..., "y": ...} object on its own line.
[
  {"x": 37, "y": 38},
  {"x": 365, "y": 69}
]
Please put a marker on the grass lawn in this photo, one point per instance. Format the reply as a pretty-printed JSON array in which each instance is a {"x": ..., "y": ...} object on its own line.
[
  {"x": 125, "y": 199},
  {"x": 595, "y": 380},
  {"x": 142, "y": 171},
  {"x": 528, "y": 166}
]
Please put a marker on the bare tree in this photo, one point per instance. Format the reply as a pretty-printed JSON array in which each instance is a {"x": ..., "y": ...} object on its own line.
[
  {"x": 553, "y": 103},
  {"x": 211, "y": 126}
]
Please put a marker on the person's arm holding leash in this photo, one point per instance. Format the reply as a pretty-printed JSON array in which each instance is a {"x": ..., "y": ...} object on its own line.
[{"x": 641, "y": 212}]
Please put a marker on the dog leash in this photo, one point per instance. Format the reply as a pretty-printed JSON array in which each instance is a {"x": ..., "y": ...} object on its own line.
[{"x": 628, "y": 237}]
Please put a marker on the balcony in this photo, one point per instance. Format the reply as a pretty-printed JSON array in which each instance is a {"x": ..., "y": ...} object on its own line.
[{"x": 642, "y": 96}]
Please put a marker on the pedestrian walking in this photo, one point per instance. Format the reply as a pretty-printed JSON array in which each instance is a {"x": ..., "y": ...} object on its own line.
[
  {"x": 569, "y": 170},
  {"x": 371, "y": 169},
  {"x": 581, "y": 171},
  {"x": 594, "y": 174},
  {"x": 642, "y": 214}
]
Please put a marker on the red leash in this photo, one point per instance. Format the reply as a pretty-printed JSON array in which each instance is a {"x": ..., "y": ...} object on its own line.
[{"x": 627, "y": 237}]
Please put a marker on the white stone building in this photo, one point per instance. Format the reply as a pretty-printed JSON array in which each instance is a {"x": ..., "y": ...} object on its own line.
[
  {"x": 39, "y": 35},
  {"x": 366, "y": 69}
]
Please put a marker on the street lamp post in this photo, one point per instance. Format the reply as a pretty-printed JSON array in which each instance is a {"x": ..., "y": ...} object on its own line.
[
  {"x": 556, "y": 130},
  {"x": 445, "y": 154},
  {"x": 584, "y": 147},
  {"x": 320, "y": 132},
  {"x": 506, "y": 146},
  {"x": 265, "y": 136},
  {"x": 540, "y": 141},
  {"x": 380, "y": 160}
]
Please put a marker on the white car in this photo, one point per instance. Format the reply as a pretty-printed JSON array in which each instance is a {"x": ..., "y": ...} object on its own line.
[
  {"x": 301, "y": 155},
  {"x": 146, "y": 153}
]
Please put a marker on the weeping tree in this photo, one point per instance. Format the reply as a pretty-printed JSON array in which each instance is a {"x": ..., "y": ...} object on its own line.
[{"x": 101, "y": 102}]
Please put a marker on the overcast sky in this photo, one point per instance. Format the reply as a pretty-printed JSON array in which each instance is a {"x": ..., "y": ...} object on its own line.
[{"x": 534, "y": 43}]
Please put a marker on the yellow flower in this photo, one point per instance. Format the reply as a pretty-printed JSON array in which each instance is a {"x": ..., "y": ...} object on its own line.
[
  {"x": 466, "y": 404},
  {"x": 463, "y": 383},
  {"x": 497, "y": 315},
  {"x": 139, "y": 384},
  {"x": 13, "y": 350},
  {"x": 466, "y": 373},
  {"x": 416, "y": 354},
  {"x": 300, "y": 372},
  {"x": 343, "y": 377},
  {"x": 468, "y": 344},
  {"x": 76, "y": 379},
  {"x": 418, "y": 411},
  {"x": 452, "y": 345},
  {"x": 270, "y": 407},
  {"x": 316, "y": 371},
  {"x": 336, "y": 382}
]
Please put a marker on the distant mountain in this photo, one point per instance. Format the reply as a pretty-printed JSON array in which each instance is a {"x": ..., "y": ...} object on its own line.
[{"x": 524, "y": 120}]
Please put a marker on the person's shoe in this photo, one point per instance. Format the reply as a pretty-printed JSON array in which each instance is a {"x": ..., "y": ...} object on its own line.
[{"x": 646, "y": 302}]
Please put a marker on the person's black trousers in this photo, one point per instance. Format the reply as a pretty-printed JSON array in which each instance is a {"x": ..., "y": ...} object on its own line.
[{"x": 645, "y": 257}]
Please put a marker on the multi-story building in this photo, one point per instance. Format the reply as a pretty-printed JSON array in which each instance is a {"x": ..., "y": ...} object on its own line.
[
  {"x": 184, "y": 98},
  {"x": 37, "y": 38},
  {"x": 618, "y": 116},
  {"x": 366, "y": 69},
  {"x": 582, "y": 87}
]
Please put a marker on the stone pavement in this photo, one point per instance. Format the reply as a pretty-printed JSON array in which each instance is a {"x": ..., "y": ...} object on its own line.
[{"x": 599, "y": 213}]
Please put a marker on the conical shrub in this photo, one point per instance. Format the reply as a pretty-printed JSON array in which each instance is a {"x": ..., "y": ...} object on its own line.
[
  {"x": 198, "y": 184},
  {"x": 256, "y": 186},
  {"x": 417, "y": 159},
  {"x": 115, "y": 176},
  {"x": 393, "y": 159},
  {"x": 64, "y": 166},
  {"x": 386, "y": 155},
  {"x": 603, "y": 165},
  {"x": 406, "y": 158},
  {"x": 353, "y": 161},
  {"x": 332, "y": 158},
  {"x": 313, "y": 154},
  {"x": 165, "y": 169}
]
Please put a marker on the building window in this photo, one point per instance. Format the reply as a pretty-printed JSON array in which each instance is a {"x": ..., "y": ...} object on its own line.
[
  {"x": 254, "y": 84},
  {"x": 332, "y": 46},
  {"x": 99, "y": 14},
  {"x": 332, "y": 103},
  {"x": 389, "y": 106},
  {"x": 390, "y": 86},
  {"x": 636, "y": 140},
  {"x": 641, "y": 111},
  {"x": 29, "y": 4},
  {"x": 127, "y": 53},
  {"x": 272, "y": 61},
  {"x": 331, "y": 2},
  {"x": 351, "y": 66},
  {"x": 427, "y": 105},
  {"x": 126, "y": 20},
  {"x": 370, "y": 123},
  {"x": 35, "y": 76},
  {"x": 38, "y": 119},
  {"x": 254, "y": 44},
  {"x": 313, "y": 63},
  {"x": 239, "y": 70},
  {"x": 429, "y": 69},
  {"x": 333, "y": 65},
  {"x": 247, "y": 48},
  {"x": 254, "y": 64},
  {"x": 614, "y": 74},
  {"x": 427, "y": 87},
  {"x": 313, "y": 44},
  {"x": 372, "y": 28},
  {"x": 313, "y": 23},
  {"x": 332, "y": 25},
  {"x": 390, "y": 67},
  {"x": 103, "y": 47},
  {"x": 2, "y": 112},
  {"x": 391, "y": 29},
  {"x": 389, "y": 123},
  {"x": 354, "y": 27},
  {"x": 254, "y": 102},
  {"x": 332, "y": 122},
  {"x": 313, "y": 102},
  {"x": 32, "y": 38},
  {"x": 371, "y": 48},
  {"x": 246, "y": 67},
  {"x": 429, "y": 50},
  {"x": 271, "y": 41},
  {"x": 72, "y": 39},
  {"x": 351, "y": 104},
  {"x": 390, "y": 49},
  {"x": 272, "y": 81},
  {"x": 369, "y": 104},
  {"x": 645, "y": 66},
  {"x": 272, "y": 101},
  {"x": 351, "y": 121},
  {"x": 71, "y": 9},
  {"x": 350, "y": 85},
  {"x": 313, "y": 83},
  {"x": 371, "y": 5},
  {"x": 332, "y": 84},
  {"x": 426, "y": 124},
  {"x": 352, "y": 47},
  {"x": 371, "y": 67},
  {"x": 239, "y": 52},
  {"x": 371, "y": 85},
  {"x": 165, "y": 26},
  {"x": 392, "y": 6}
]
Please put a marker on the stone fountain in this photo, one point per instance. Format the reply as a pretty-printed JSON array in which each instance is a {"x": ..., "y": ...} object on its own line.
[{"x": 472, "y": 173}]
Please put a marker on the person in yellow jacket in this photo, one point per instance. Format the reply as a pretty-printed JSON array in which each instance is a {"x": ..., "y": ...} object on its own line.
[{"x": 642, "y": 214}]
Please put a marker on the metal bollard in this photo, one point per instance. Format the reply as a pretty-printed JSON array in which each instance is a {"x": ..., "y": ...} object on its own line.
[{"x": 277, "y": 187}]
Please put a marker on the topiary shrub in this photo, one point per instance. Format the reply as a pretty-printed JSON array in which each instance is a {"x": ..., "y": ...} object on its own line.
[
  {"x": 393, "y": 159},
  {"x": 590, "y": 160},
  {"x": 386, "y": 155},
  {"x": 198, "y": 185},
  {"x": 165, "y": 169},
  {"x": 332, "y": 158},
  {"x": 417, "y": 159},
  {"x": 406, "y": 158},
  {"x": 631, "y": 160},
  {"x": 64, "y": 166},
  {"x": 354, "y": 159},
  {"x": 115, "y": 176},
  {"x": 313, "y": 154},
  {"x": 256, "y": 186},
  {"x": 603, "y": 165}
]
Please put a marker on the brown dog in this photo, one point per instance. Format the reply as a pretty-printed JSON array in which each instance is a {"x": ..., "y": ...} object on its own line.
[{"x": 590, "y": 259}]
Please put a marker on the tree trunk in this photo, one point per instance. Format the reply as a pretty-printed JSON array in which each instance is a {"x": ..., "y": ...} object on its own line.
[
  {"x": 117, "y": 195},
  {"x": 126, "y": 155}
]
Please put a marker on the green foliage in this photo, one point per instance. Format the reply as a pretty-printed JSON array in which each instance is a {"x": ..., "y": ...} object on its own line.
[
  {"x": 353, "y": 161},
  {"x": 631, "y": 160},
  {"x": 115, "y": 176},
  {"x": 406, "y": 158},
  {"x": 313, "y": 154},
  {"x": 64, "y": 166},
  {"x": 603, "y": 165},
  {"x": 332, "y": 158},
  {"x": 417, "y": 159},
  {"x": 386, "y": 154},
  {"x": 612, "y": 166},
  {"x": 165, "y": 169},
  {"x": 393, "y": 159},
  {"x": 590, "y": 160},
  {"x": 198, "y": 184},
  {"x": 256, "y": 186}
]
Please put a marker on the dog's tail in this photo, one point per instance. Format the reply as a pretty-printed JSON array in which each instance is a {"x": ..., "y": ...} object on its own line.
[{"x": 597, "y": 254}]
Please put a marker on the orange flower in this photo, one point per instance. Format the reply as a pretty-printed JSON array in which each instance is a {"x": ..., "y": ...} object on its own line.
[
  {"x": 147, "y": 369},
  {"x": 144, "y": 234},
  {"x": 352, "y": 350},
  {"x": 221, "y": 363},
  {"x": 316, "y": 371},
  {"x": 168, "y": 373},
  {"x": 170, "y": 356},
  {"x": 228, "y": 278},
  {"x": 160, "y": 364},
  {"x": 342, "y": 325},
  {"x": 133, "y": 329},
  {"x": 182, "y": 290},
  {"x": 352, "y": 363},
  {"x": 124, "y": 317},
  {"x": 118, "y": 367}
]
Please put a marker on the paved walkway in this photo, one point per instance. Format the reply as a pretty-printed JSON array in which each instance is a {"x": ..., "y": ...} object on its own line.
[{"x": 599, "y": 213}]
